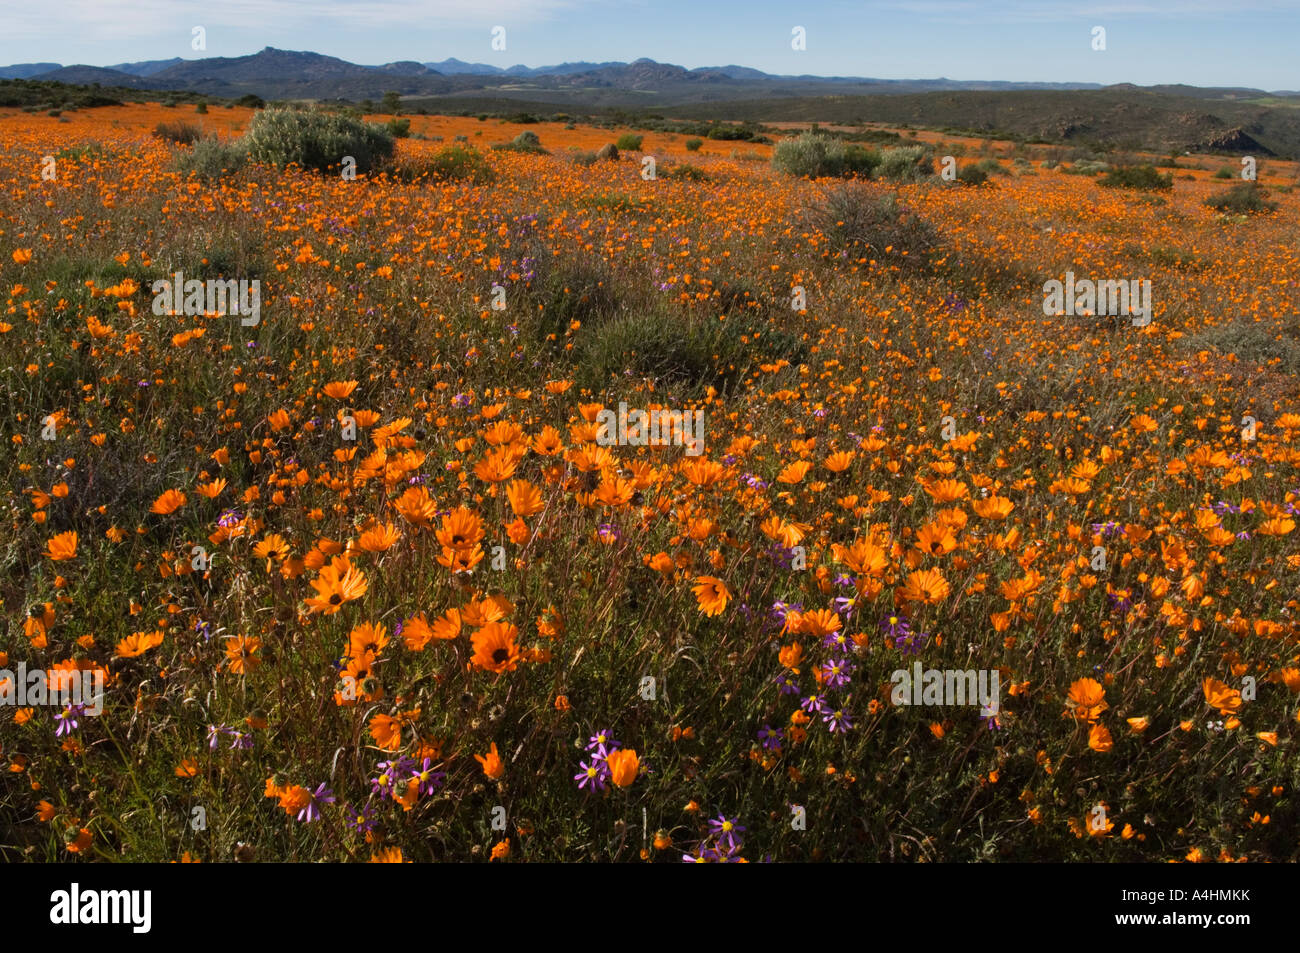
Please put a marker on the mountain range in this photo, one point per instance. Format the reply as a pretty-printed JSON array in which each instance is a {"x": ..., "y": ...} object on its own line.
[
  {"x": 1168, "y": 117},
  {"x": 284, "y": 74}
]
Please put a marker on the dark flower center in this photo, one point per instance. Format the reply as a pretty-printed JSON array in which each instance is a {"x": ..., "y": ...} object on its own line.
[{"x": 499, "y": 656}]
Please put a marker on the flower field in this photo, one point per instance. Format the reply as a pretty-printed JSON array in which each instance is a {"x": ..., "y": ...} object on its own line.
[{"x": 364, "y": 580}]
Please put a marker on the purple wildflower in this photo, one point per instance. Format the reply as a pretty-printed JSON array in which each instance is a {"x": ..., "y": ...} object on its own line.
[
  {"x": 321, "y": 796},
  {"x": 770, "y": 737},
  {"x": 913, "y": 643},
  {"x": 837, "y": 641},
  {"x": 592, "y": 775},
  {"x": 813, "y": 703},
  {"x": 896, "y": 627},
  {"x": 67, "y": 720},
  {"x": 430, "y": 780},
  {"x": 361, "y": 820},
  {"x": 837, "y": 721},
  {"x": 390, "y": 773},
  {"x": 726, "y": 831},
  {"x": 837, "y": 673},
  {"x": 780, "y": 610}
]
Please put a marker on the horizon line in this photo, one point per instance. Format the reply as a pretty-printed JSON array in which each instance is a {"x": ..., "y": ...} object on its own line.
[{"x": 647, "y": 59}]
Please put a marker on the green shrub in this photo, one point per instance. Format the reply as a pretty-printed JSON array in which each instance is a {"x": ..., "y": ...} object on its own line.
[
  {"x": 1087, "y": 167},
  {"x": 92, "y": 150},
  {"x": 1255, "y": 343},
  {"x": 863, "y": 221},
  {"x": 629, "y": 142},
  {"x": 653, "y": 345},
  {"x": 201, "y": 109},
  {"x": 1241, "y": 198},
  {"x": 994, "y": 167},
  {"x": 676, "y": 350},
  {"x": 211, "y": 158},
  {"x": 526, "y": 141},
  {"x": 1224, "y": 173},
  {"x": 860, "y": 161},
  {"x": 181, "y": 133},
  {"x": 729, "y": 134},
  {"x": 566, "y": 291},
  {"x": 905, "y": 164},
  {"x": 685, "y": 171},
  {"x": 585, "y": 157},
  {"x": 453, "y": 163},
  {"x": 809, "y": 155},
  {"x": 316, "y": 140},
  {"x": 816, "y": 156},
  {"x": 398, "y": 128},
  {"x": 972, "y": 175},
  {"x": 1145, "y": 178},
  {"x": 693, "y": 145}
]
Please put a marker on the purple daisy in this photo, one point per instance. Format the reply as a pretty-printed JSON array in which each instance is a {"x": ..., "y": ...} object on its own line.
[{"x": 320, "y": 797}]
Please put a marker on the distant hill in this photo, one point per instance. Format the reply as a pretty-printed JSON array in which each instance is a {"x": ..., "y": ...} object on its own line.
[
  {"x": 283, "y": 74},
  {"x": 147, "y": 67},
  {"x": 1113, "y": 117},
  {"x": 26, "y": 70},
  {"x": 1170, "y": 117},
  {"x": 90, "y": 75},
  {"x": 455, "y": 67}
]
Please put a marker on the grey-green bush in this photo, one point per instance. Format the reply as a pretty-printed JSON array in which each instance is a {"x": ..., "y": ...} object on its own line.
[
  {"x": 453, "y": 163},
  {"x": 859, "y": 219},
  {"x": 1241, "y": 198},
  {"x": 316, "y": 140},
  {"x": 684, "y": 170},
  {"x": 905, "y": 164},
  {"x": 181, "y": 133},
  {"x": 1143, "y": 178},
  {"x": 211, "y": 158},
  {"x": 808, "y": 155},
  {"x": 1270, "y": 345},
  {"x": 526, "y": 141},
  {"x": 815, "y": 156}
]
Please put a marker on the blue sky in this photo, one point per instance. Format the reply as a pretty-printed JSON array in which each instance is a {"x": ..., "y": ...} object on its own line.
[{"x": 1200, "y": 42}]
